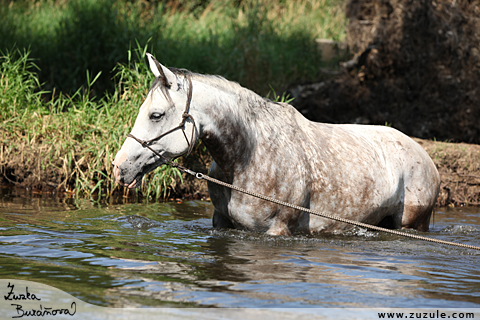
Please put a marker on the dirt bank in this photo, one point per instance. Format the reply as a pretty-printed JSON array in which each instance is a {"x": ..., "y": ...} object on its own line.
[
  {"x": 458, "y": 164},
  {"x": 459, "y": 168}
]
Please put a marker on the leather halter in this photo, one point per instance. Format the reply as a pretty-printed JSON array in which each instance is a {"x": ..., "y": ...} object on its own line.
[{"x": 185, "y": 116}]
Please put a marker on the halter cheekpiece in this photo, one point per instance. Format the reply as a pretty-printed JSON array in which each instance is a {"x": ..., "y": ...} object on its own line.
[{"x": 185, "y": 116}]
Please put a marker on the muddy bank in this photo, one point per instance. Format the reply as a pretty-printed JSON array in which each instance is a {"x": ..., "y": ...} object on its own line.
[
  {"x": 458, "y": 164},
  {"x": 459, "y": 168}
]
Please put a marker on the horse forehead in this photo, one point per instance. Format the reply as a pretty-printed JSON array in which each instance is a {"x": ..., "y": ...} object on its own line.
[
  {"x": 154, "y": 98},
  {"x": 157, "y": 97},
  {"x": 147, "y": 103}
]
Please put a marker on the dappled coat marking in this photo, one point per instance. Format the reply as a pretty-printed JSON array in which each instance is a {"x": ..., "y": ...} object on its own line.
[{"x": 372, "y": 174}]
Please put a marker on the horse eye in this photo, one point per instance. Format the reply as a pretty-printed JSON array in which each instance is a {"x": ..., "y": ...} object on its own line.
[{"x": 155, "y": 116}]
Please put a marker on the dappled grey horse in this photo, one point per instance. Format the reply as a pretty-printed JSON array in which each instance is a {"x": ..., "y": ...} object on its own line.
[{"x": 372, "y": 174}]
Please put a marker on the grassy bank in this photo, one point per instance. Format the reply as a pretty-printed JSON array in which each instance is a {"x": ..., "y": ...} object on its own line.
[
  {"x": 68, "y": 101},
  {"x": 44, "y": 147},
  {"x": 47, "y": 149}
]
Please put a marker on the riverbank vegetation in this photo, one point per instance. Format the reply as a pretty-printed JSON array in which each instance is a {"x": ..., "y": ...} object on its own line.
[
  {"x": 45, "y": 147},
  {"x": 73, "y": 75}
]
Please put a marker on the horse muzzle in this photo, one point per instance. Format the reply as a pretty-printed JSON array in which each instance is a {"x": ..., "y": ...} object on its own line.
[
  {"x": 126, "y": 173},
  {"x": 129, "y": 170},
  {"x": 121, "y": 181}
]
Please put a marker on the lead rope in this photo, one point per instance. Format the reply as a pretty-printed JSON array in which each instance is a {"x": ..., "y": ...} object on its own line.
[{"x": 202, "y": 176}]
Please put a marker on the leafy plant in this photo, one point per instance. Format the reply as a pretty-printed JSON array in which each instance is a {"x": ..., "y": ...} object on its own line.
[{"x": 285, "y": 97}]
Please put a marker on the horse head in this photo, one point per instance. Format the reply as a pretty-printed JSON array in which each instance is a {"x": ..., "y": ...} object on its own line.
[{"x": 162, "y": 125}]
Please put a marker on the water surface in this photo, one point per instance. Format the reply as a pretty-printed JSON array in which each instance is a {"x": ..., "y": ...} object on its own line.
[{"x": 168, "y": 255}]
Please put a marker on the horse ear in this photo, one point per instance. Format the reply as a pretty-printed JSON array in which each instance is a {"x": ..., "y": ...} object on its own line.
[{"x": 161, "y": 71}]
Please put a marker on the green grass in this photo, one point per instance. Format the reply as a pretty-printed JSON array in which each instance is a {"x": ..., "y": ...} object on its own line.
[
  {"x": 71, "y": 151},
  {"x": 71, "y": 86},
  {"x": 258, "y": 43}
]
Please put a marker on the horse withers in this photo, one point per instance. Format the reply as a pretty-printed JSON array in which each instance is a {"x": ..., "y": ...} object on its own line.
[{"x": 372, "y": 174}]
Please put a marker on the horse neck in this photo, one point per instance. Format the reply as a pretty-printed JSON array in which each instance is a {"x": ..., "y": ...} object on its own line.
[{"x": 231, "y": 121}]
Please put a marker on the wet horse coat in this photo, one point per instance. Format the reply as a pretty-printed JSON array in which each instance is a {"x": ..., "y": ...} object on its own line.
[{"x": 372, "y": 174}]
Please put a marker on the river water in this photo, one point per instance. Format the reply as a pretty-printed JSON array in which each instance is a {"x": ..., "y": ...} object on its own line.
[{"x": 168, "y": 255}]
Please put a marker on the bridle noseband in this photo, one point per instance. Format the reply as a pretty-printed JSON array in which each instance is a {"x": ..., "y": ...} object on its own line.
[{"x": 185, "y": 116}]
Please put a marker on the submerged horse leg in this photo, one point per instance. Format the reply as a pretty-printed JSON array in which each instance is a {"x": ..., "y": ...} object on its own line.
[
  {"x": 417, "y": 217},
  {"x": 221, "y": 221},
  {"x": 421, "y": 192},
  {"x": 408, "y": 217},
  {"x": 279, "y": 227},
  {"x": 219, "y": 195}
]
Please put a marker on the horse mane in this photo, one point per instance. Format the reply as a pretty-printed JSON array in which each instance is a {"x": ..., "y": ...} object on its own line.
[
  {"x": 226, "y": 85},
  {"x": 213, "y": 80},
  {"x": 250, "y": 107}
]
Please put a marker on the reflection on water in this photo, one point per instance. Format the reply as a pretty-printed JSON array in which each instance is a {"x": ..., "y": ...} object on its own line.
[{"x": 169, "y": 255}]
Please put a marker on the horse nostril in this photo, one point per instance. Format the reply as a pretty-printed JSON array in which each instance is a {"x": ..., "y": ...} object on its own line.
[{"x": 116, "y": 174}]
